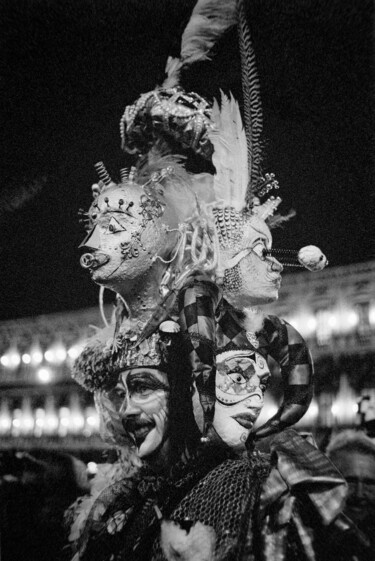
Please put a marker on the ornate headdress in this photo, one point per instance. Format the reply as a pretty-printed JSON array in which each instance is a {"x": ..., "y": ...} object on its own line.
[
  {"x": 239, "y": 188},
  {"x": 100, "y": 362}
]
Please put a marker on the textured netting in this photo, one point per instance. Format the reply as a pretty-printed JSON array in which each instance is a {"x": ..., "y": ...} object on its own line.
[
  {"x": 209, "y": 508},
  {"x": 224, "y": 501}
]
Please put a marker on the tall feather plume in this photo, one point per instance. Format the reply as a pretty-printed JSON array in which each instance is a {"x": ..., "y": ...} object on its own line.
[
  {"x": 252, "y": 102},
  {"x": 230, "y": 153},
  {"x": 209, "y": 20}
]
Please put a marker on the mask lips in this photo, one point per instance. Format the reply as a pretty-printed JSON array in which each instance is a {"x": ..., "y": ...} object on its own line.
[{"x": 93, "y": 260}]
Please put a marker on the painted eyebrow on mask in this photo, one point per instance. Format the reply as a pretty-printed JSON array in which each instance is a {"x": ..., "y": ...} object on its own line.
[
  {"x": 260, "y": 239},
  {"x": 146, "y": 379}
]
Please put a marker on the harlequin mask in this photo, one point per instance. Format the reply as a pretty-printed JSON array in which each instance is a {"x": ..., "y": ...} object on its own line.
[{"x": 241, "y": 380}]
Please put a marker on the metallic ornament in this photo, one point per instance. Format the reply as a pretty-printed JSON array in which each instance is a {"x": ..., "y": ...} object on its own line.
[{"x": 183, "y": 116}]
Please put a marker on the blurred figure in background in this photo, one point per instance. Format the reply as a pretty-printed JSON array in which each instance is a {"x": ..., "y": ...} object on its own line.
[{"x": 353, "y": 452}]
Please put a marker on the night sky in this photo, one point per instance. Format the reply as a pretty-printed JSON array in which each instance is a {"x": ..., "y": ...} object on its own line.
[{"x": 69, "y": 68}]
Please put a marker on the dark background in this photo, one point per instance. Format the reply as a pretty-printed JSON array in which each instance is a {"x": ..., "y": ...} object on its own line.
[{"x": 69, "y": 68}]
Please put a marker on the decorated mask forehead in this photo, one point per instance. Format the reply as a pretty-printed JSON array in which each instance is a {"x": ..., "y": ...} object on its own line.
[
  {"x": 237, "y": 230},
  {"x": 240, "y": 373},
  {"x": 128, "y": 199},
  {"x": 256, "y": 228},
  {"x": 120, "y": 201}
]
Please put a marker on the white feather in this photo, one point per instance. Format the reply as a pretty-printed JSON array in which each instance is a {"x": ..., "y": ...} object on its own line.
[
  {"x": 209, "y": 21},
  {"x": 230, "y": 153}
]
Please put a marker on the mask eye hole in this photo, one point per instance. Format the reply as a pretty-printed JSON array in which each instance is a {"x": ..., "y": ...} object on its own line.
[
  {"x": 260, "y": 249},
  {"x": 114, "y": 226},
  {"x": 237, "y": 378}
]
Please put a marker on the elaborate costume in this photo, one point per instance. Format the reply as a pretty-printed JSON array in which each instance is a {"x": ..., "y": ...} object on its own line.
[{"x": 199, "y": 499}]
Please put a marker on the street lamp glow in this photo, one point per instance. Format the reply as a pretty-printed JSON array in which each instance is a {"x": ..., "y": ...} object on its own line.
[
  {"x": 55, "y": 354},
  {"x": 36, "y": 356},
  {"x": 49, "y": 355},
  {"x": 26, "y": 358},
  {"x": 11, "y": 359},
  {"x": 60, "y": 354},
  {"x": 5, "y": 360},
  {"x": 44, "y": 375}
]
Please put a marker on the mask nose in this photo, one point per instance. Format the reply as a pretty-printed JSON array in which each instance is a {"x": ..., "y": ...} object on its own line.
[
  {"x": 275, "y": 265},
  {"x": 128, "y": 408},
  {"x": 92, "y": 240},
  {"x": 255, "y": 400}
]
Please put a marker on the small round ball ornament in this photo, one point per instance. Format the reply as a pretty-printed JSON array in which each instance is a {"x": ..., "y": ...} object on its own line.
[{"x": 312, "y": 258}]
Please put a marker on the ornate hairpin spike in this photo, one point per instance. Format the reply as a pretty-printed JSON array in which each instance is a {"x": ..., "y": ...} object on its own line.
[
  {"x": 102, "y": 173},
  {"x": 124, "y": 175}
]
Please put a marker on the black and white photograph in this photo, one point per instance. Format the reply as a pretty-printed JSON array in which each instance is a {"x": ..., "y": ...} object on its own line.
[{"x": 187, "y": 305}]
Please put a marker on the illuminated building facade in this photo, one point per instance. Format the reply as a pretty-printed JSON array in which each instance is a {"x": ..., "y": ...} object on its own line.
[
  {"x": 333, "y": 309},
  {"x": 335, "y": 312},
  {"x": 39, "y": 402}
]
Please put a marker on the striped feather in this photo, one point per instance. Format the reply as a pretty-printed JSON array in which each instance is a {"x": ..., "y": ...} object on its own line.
[{"x": 252, "y": 102}]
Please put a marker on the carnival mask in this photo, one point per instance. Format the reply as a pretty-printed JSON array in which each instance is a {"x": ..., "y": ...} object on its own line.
[
  {"x": 138, "y": 408},
  {"x": 126, "y": 235},
  {"x": 241, "y": 380},
  {"x": 251, "y": 275}
]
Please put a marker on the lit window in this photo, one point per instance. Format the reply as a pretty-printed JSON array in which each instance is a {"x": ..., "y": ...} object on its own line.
[
  {"x": 363, "y": 313},
  {"x": 324, "y": 326}
]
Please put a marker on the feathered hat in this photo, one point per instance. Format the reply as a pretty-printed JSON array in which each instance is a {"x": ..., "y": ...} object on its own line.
[{"x": 168, "y": 113}]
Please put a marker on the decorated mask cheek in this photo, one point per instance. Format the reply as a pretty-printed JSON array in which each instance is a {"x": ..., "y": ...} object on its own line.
[
  {"x": 126, "y": 236},
  {"x": 241, "y": 379},
  {"x": 138, "y": 407}
]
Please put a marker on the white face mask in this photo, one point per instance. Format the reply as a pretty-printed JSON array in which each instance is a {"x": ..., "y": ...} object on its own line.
[
  {"x": 241, "y": 380},
  {"x": 251, "y": 276},
  {"x": 138, "y": 408},
  {"x": 127, "y": 233}
]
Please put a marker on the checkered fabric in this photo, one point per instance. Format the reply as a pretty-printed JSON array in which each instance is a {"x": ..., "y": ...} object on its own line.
[
  {"x": 209, "y": 325},
  {"x": 198, "y": 302},
  {"x": 301, "y": 503}
]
